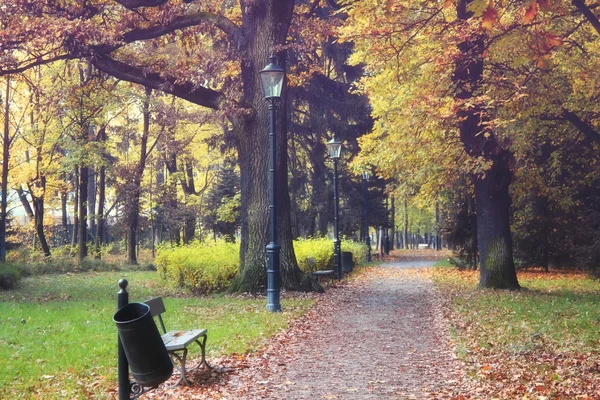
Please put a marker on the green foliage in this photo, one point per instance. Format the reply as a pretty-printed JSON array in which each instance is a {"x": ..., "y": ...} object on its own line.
[
  {"x": 200, "y": 267},
  {"x": 37, "y": 322},
  {"x": 9, "y": 276}
]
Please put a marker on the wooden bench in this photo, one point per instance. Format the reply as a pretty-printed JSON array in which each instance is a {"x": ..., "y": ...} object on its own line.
[
  {"x": 318, "y": 274},
  {"x": 177, "y": 342}
]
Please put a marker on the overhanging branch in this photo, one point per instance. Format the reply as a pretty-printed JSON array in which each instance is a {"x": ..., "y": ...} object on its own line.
[
  {"x": 130, "y": 4},
  {"x": 587, "y": 13},
  {"x": 182, "y": 22},
  {"x": 581, "y": 125},
  {"x": 198, "y": 95}
]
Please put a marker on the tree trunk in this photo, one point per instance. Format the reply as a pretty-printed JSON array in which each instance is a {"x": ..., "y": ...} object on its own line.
[
  {"x": 75, "y": 234},
  {"x": 267, "y": 23},
  {"x": 38, "y": 206},
  {"x": 101, "y": 220},
  {"x": 393, "y": 224},
  {"x": 134, "y": 199},
  {"x": 190, "y": 218},
  {"x": 497, "y": 269},
  {"x": 82, "y": 215},
  {"x": 406, "y": 242},
  {"x": 91, "y": 202},
  {"x": 5, "y": 159}
]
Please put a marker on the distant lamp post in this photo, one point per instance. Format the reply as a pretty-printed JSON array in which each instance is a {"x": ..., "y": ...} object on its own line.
[
  {"x": 272, "y": 77},
  {"x": 365, "y": 179},
  {"x": 335, "y": 149}
]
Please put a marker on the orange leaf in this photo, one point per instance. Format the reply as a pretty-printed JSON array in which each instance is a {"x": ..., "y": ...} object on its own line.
[
  {"x": 554, "y": 40},
  {"x": 489, "y": 17},
  {"x": 531, "y": 12},
  {"x": 448, "y": 3}
]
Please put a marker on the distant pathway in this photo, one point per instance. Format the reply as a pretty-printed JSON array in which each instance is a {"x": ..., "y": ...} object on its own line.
[{"x": 380, "y": 336}]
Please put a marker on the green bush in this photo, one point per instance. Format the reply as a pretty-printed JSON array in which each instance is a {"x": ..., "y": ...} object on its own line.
[
  {"x": 200, "y": 267},
  {"x": 358, "y": 249},
  {"x": 9, "y": 276},
  {"x": 321, "y": 250}
]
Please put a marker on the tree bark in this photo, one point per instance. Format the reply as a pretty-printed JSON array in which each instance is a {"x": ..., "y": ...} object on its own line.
[
  {"x": 267, "y": 23},
  {"x": 497, "y": 269}
]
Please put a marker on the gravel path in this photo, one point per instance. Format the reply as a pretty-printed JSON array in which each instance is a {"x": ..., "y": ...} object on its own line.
[{"x": 379, "y": 338}]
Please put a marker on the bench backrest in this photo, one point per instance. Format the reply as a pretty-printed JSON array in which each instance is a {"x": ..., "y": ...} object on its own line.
[{"x": 157, "y": 307}]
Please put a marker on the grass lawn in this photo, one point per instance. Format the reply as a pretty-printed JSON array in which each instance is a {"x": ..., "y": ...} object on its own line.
[
  {"x": 57, "y": 338},
  {"x": 546, "y": 334}
]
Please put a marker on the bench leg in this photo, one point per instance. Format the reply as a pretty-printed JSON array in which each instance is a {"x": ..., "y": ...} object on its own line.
[
  {"x": 181, "y": 367},
  {"x": 202, "y": 345}
]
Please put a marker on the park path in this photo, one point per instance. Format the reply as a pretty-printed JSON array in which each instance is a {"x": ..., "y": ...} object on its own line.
[{"x": 379, "y": 336}]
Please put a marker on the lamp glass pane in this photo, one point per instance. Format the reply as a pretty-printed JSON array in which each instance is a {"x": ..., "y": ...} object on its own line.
[
  {"x": 335, "y": 148},
  {"x": 272, "y": 82},
  {"x": 366, "y": 176}
]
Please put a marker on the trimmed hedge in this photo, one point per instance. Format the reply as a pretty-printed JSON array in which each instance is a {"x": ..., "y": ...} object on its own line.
[
  {"x": 200, "y": 267},
  {"x": 210, "y": 267},
  {"x": 321, "y": 250},
  {"x": 9, "y": 276}
]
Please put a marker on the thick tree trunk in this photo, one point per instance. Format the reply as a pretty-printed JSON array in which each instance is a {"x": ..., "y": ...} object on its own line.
[
  {"x": 497, "y": 269},
  {"x": 267, "y": 23},
  {"x": 5, "y": 159}
]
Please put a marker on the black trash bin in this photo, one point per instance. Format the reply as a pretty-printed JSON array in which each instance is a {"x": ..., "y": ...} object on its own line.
[
  {"x": 146, "y": 353},
  {"x": 347, "y": 262}
]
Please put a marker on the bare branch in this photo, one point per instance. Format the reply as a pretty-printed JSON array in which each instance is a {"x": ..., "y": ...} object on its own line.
[{"x": 40, "y": 61}]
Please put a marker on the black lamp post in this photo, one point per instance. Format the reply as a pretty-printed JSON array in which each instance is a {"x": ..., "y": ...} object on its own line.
[
  {"x": 272, "y": 81},
  {"x": 335, "y": 150},
  {"x": 365, "y": 179}
]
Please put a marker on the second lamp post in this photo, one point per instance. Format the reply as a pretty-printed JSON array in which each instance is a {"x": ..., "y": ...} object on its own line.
[
  {"x": 272, "y": 80},
  {"x": 335, "y": 150}
]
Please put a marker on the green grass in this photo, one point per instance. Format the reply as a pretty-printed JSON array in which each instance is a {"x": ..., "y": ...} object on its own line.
[
  {"x": 558, "y": 311},
  {"x": 57, "y": 338}
]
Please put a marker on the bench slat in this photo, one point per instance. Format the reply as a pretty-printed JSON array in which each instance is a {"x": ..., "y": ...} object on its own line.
[{"x": 178, "y": 340}]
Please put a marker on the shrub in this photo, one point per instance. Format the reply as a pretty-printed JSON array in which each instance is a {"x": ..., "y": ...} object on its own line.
[
  {"x": 358, "y": 249},
  {"x": 9, "y": 276},
  {"x": 200, "y": 267},
  {"x": 321, "y": 250}
]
